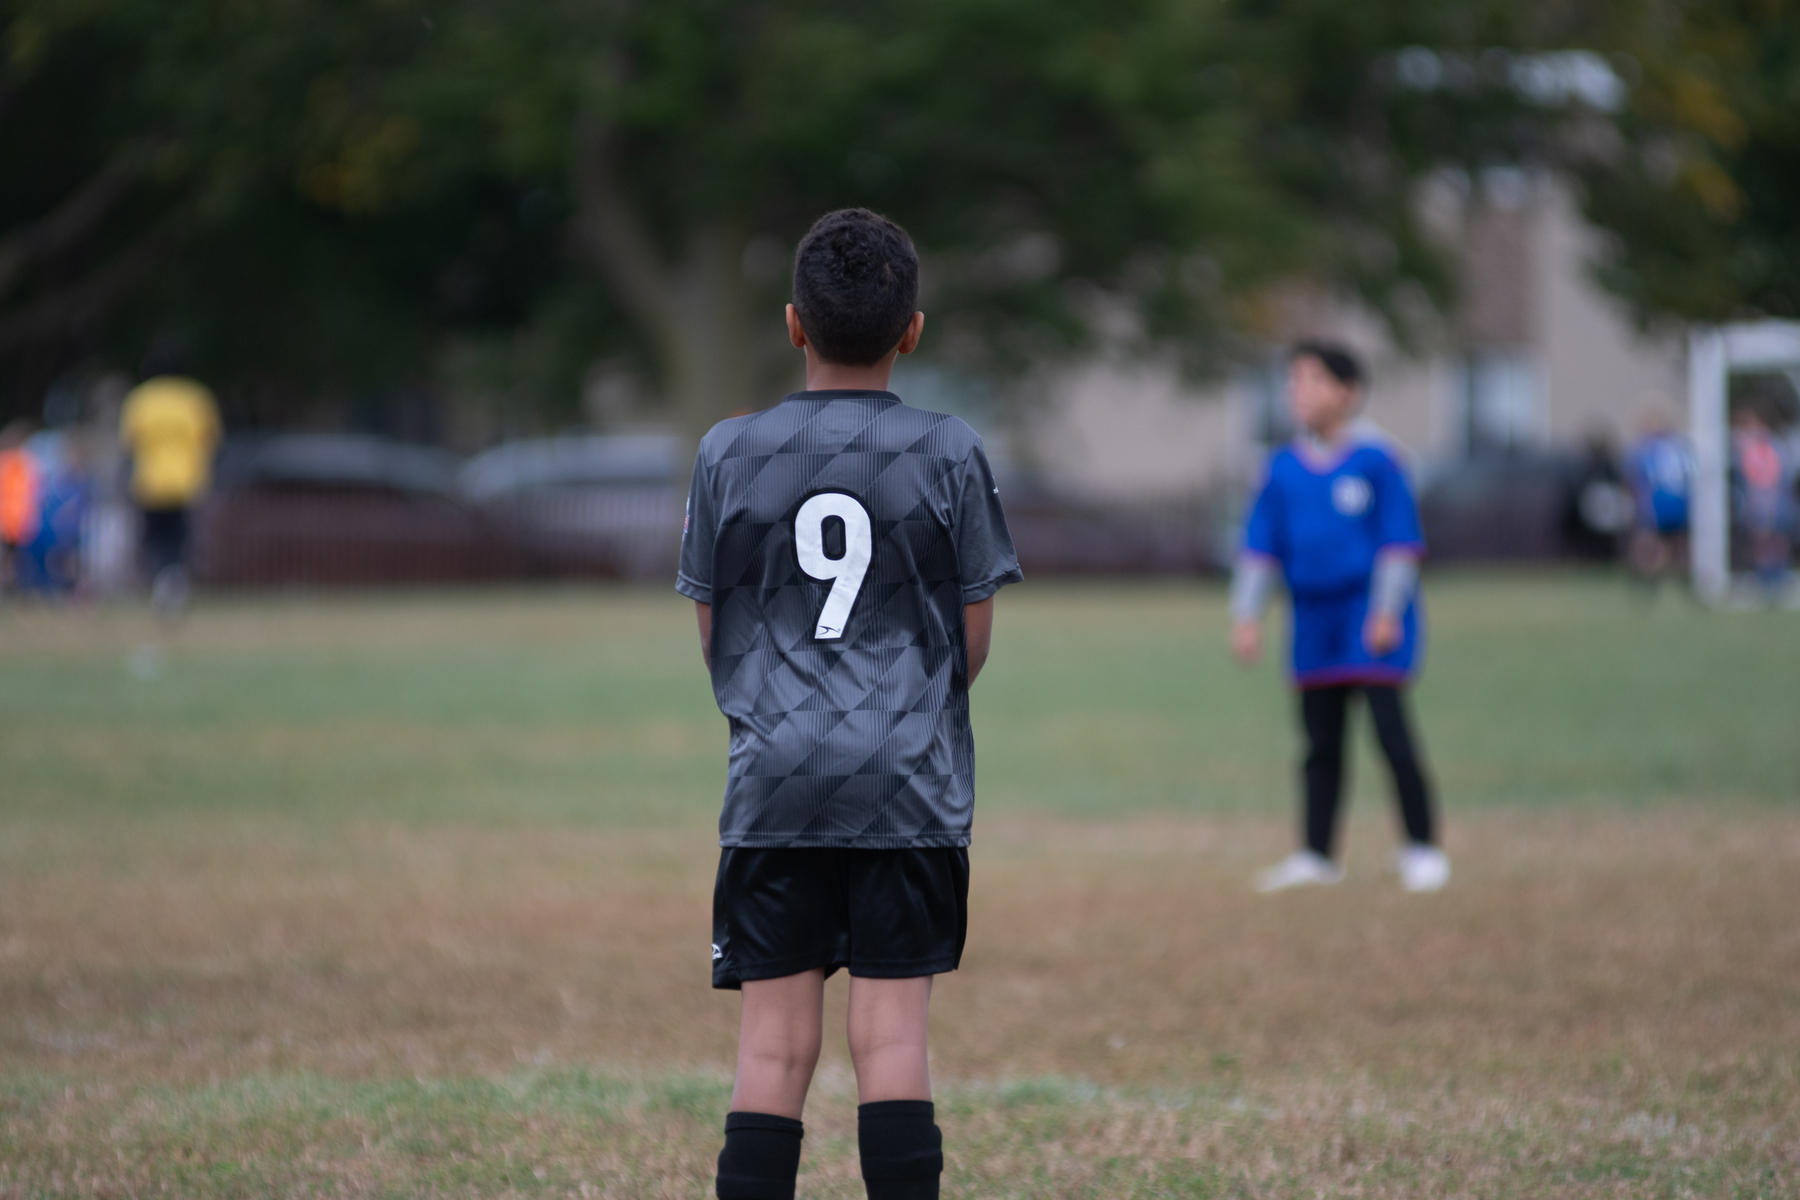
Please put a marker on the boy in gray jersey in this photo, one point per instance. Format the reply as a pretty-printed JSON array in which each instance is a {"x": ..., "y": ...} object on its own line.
[{"x": 842, "y": 551}]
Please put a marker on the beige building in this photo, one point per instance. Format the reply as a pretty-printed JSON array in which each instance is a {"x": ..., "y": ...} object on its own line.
[{"x": 1537, "y": 355}]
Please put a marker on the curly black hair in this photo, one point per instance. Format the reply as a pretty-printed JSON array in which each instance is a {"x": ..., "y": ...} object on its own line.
[{"x": 856, "y": 285}]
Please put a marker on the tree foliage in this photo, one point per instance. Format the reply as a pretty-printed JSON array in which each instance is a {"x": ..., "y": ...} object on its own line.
[
  {"x": 219, "y": 172},
  {"x": 1699, "y": 189},
  {"x": 327, "y": 197}
]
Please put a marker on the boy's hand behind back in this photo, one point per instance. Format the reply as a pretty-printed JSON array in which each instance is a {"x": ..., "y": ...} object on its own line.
[{"x": 1246, "y": 642}]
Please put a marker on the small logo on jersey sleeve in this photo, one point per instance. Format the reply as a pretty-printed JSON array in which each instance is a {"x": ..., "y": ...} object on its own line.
[
  {"x": 1350, "y": 495},
  {"x": 717, "y": 953}
]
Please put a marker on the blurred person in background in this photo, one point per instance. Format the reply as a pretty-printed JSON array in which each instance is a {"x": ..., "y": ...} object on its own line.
[
  {"x": 67, "y": 492},
  {"x": 50, "y": 558},
  {"x": 170, "y": 428},
  {"x": 1336, "y": 517},
  {"x": 1659, "y": 468},
  {"x": 21, "y": 502},
  {"x": 1760, "y": 472}
]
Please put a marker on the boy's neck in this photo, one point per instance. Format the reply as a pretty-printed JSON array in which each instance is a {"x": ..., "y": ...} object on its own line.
[
  {"x": 1328, "y": 436},
  {"x": 822, "y": 376}
]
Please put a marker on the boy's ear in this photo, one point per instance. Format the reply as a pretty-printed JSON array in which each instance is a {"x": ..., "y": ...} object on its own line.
[
  {"x": 796, "y": 331},
  {"x": 915, "y": 328}
]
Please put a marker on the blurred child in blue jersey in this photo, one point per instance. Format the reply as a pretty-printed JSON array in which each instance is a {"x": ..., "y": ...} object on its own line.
[
  {"x": 1659, "y": 468},
  {"x": 1335, "y": 517}
]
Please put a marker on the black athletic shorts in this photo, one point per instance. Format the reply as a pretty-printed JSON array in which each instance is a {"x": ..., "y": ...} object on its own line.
[{"x": 885, "y": 914}]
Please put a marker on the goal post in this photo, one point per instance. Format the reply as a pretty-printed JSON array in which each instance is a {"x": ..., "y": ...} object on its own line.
[{"x": 1714, "y": 353}]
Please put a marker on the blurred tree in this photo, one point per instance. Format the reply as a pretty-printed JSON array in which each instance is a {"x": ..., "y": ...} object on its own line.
[
  {"x": 1022, "y": 143},
  {"x": 221, "y": 172},
  {"x": 70, "y": 250},
  {"x": 323, "y": 195},
  {"x": 1147, "y": 167},
  {"x": 1699, "y": 186}
]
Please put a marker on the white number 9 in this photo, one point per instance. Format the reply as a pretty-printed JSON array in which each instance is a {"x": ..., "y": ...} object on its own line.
[{"x": 846, "y": 573}]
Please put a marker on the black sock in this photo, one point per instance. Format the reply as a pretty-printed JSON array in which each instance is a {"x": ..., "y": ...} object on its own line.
[
  {"x": 761, "y": 1157},
  {"x": 902, "y": 1150}
]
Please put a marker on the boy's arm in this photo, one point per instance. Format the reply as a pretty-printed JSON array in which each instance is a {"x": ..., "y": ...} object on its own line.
[
  {"x": 978, "y": 633},
  {"x": 1390, "y": 591},
  {"x": 1252, "y": 579},
  {"x": 699, "y": 530},
  {"x": 984, "y": 553},
  {"x": 1396, "y": 575},
  {"x": 1253, "y": 574}
]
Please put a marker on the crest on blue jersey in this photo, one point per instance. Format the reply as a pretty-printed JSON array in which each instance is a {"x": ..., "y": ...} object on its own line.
[{"x": 1350, "y": 495}]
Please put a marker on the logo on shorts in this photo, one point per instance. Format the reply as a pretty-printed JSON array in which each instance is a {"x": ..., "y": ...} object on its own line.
[
  {"x": 1350, "y": 495},
  {"x": 717, "y": 953}
]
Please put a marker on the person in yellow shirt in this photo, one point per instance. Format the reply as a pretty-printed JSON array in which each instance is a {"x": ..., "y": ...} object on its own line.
[{"x": 170, "y": 428}]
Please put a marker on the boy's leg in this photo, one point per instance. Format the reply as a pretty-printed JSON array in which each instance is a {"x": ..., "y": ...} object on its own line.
[
  {"x": 778, "y": 1048},
  {"x": 887, "y": 1026},
  {"x": 896, "y": 1130},
  {"x": 778, "y": 1043},
  {"x": 1387, "y": 705},
  {"x": 1322, "y": 712}
]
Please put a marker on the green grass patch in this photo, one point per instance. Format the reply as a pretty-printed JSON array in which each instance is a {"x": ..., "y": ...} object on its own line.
[
  {"x": 589, "y": 707},
  {"x": 575, "y": 1132}
]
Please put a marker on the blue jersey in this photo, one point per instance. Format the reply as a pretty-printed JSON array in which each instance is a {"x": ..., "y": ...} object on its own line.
[
  {"x": 1325, "y": 524},
  {"x": 1660, "y": 469}
]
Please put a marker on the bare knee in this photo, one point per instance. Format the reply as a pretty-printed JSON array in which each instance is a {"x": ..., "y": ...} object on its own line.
[
  {"x": 868, "y": 1044},
  {"x": 784, "y": 1057}
]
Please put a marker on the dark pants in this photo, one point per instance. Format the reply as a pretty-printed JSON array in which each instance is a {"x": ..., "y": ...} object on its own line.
[
  {"x": 1324, "y": 711},
  {"x": 165, "y": 539}
]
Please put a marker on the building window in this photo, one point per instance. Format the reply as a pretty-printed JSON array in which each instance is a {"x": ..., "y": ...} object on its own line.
[
  {"x": 1500, "y": 401},
  {"x": 1265, "y": 387}
]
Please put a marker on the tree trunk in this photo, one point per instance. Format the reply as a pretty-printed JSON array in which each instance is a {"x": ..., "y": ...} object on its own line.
[
  {"x": 708, "y": 360},
  {"x": 696, "y": 309}
]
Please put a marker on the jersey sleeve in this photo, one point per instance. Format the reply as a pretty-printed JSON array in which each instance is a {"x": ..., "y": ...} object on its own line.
[
  {"x": 986, "y": 560},
  {"x": 1262, "y": 531},
  {"x": 699, "y": 528},
  {"x": 1396, "y": 511}
]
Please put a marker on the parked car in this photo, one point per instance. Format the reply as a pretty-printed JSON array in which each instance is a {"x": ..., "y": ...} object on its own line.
[
  {"x": 342, "y": 509},
  {"x": 584, "y": 504}
]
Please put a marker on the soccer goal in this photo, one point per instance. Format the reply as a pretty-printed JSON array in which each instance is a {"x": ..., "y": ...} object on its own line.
[{"x": 1714, "y": 354}]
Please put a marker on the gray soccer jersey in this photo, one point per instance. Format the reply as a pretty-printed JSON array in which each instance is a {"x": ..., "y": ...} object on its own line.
[{"x": 837, "y": 537}]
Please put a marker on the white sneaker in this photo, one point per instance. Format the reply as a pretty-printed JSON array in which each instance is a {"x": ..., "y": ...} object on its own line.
[
  {"x": 1423, "y": 868},
  {"x": 1302, "y": 868}
]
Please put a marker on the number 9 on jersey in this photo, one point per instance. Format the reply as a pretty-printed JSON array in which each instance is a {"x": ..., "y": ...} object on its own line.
[{"x": 847, "y": 573}]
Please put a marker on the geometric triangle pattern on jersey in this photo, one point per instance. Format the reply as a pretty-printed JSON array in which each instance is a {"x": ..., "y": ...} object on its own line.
[{"x": 838, "y": 656}]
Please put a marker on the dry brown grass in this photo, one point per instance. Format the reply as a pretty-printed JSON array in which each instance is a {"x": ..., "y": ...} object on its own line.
[
  {"x": 409, "y": 895},
  {"x": 1130, "y": 1019}
]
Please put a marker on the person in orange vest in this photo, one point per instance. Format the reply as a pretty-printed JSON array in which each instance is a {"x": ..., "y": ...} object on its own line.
[
  {"x": 170, "y": 428},
  {"x": 21, "y": 498}
]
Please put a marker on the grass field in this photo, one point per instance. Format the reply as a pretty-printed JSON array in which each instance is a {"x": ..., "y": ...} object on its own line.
[{"x": 409, "y": 895}]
